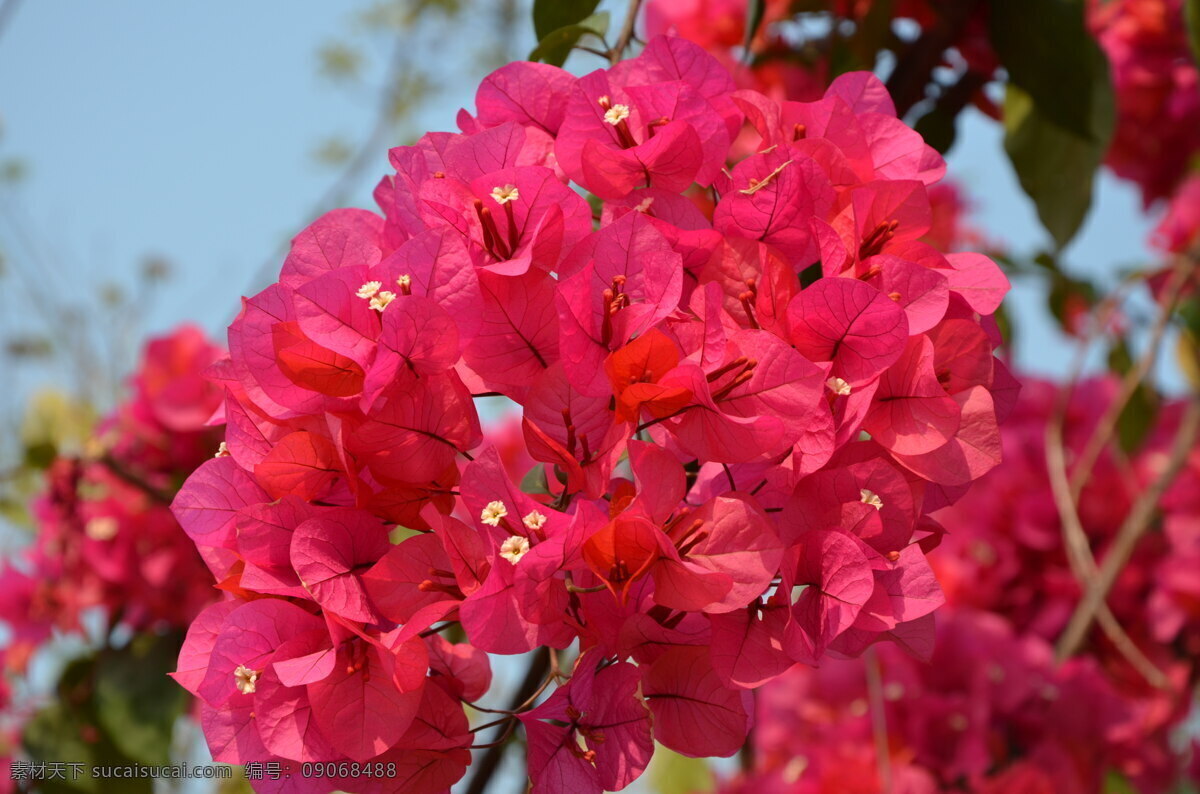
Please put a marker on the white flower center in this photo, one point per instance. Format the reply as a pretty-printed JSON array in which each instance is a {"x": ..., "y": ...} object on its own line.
[
  {"x": 871, "y": 498},
  {"x": 616, "y": 114},
  {"x": 382, "y": 299},
  {"x": 493, "y": 513},
  {"x": 246, "y": 679},
  {"x": 505, "y": 194},
  {"x": 838, "y": 386},
  {"x": 101, "y": 528},
  {"x": 222, "y": 451},
  {"x": 404, "y": 281},
  {"x": 368, "y": 290},
  {"x": 514, "y": 548},
  {"x": 534, "y": 520}
]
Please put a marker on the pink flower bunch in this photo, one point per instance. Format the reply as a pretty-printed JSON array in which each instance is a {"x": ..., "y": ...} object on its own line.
[
  {"x": 990, "y": 711},
  {"x": 1179, "y": 230},
  {"x": 992, "y": 708},
  {"x": 1158, "y": 91},
  {"x": 741, "y": 419},
  {"x": 105, "y": 534}
]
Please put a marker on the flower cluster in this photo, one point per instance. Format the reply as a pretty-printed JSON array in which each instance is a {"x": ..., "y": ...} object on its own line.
[
  {"x": 745, "y": 385},
  {"x": 105, "y": 534},
  {"x": 1158, "y": 89},
  {"x": 992, "y": 708}
]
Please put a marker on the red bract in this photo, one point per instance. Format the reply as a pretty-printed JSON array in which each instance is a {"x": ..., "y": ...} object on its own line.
[{"x": 690, "y": 499}]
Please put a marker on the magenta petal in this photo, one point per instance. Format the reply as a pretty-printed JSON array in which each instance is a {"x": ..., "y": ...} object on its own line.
[
  {"x": 839, "y": 582},
  {"x": 331, "y": 552},
  {"x": 694, "y": 714},
  {"x": 360, "y": 709},
  {"x": 849, "y": 323}
]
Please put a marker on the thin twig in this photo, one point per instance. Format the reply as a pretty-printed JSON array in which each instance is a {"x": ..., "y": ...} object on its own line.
[
  {"x": 1130, "y": 532},
  {"x": 879, "y": 729},
  {"x": 618, "y": 50},
  {"x": 1180, "y": 275},
  {"x": 1079, "y": 551},
  {"x": 539, "y": 665}
]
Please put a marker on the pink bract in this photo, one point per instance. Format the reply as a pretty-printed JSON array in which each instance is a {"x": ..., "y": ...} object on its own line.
[{"x": 744, "y": 379}]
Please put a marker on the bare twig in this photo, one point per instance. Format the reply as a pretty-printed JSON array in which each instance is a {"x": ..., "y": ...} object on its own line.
[
  {"x": 1075, "y": 541},
  {"x": 1130, "y": 532},
  {"x": 618, "y": 50},
  {"x": 1180, "y": 275},
  {"x": 539, "y": 665},
  {"x": 879, "y": 729},
  {"x": 1079, "y": 552}
]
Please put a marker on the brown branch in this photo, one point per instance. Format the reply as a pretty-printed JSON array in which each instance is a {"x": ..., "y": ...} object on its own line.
[
  {"x": 1075, "y": 541},
  {"x": 618, "y": 50},
  {"x": 1079, "y": 550},
  {"x": 539, "y": 666},
  {"x": 1130, "y": 532}
]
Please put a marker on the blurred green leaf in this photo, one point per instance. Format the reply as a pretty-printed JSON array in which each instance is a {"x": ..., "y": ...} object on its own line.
[
  {"x": 1116, "y": 783},
  {"x": 1057, "y": 167},
  {"x": 340, "y": 62},
  {"x": 136, "y": 703},
  {"x": 551, "y": 15},
  {"x": 67, "y": 731},
  {"x": 672, "y": 773},
  {"x": 13, "y": 171},
  {"x": 1059, "y": 107},
  {"x": 557, "y": 45},
  {"x": 333, "y": 152},
  {"x": 1191, "y": 17},
  {"x": 535, "y": 482},
  {"x": 1049, "y": 54},
  {"x": 755, "y": 11}
]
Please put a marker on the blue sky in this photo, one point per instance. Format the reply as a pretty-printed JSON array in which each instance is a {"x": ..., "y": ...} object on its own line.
[{"x": 187, "y": 130}]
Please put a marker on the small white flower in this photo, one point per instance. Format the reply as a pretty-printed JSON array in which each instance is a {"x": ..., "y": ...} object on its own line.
[
  {"x": 838, "y": 386},
  {"x": 222, "y": 451},
  {"x": 616, "y": 114},
  {"x": 493, "y": 513},
  {"x": 368, "y": 290},
  {"x": 869, "y": 497},
  {"x": 245, "y": 679},
  {"x": 505, "y": 194},
  {"x": 382, "y": 299},
  {"x": 514, "y": 548},
  {"x": 101, "y": 528},
  {"x": 534, "y": 520},
  {"x": 404, "y": 281}
]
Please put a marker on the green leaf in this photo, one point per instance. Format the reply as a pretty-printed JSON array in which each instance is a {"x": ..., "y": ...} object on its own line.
[
  {"x": 557, "y": 45},
  {"x": 550, "y": 15},
  {"x": 535, "y": 482},
  {"x": 136, "y": 703},
  {"x": 1048, "y": 53},
  {"x": 67, "y": 731},
  {"x": 1116, "y": 783},
  {"x": 1191, "y": 20},
  {"x": 672, "y": 773},
  {"x": 755, "y": 11},
  {"x": 1056, "y": 165}
]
